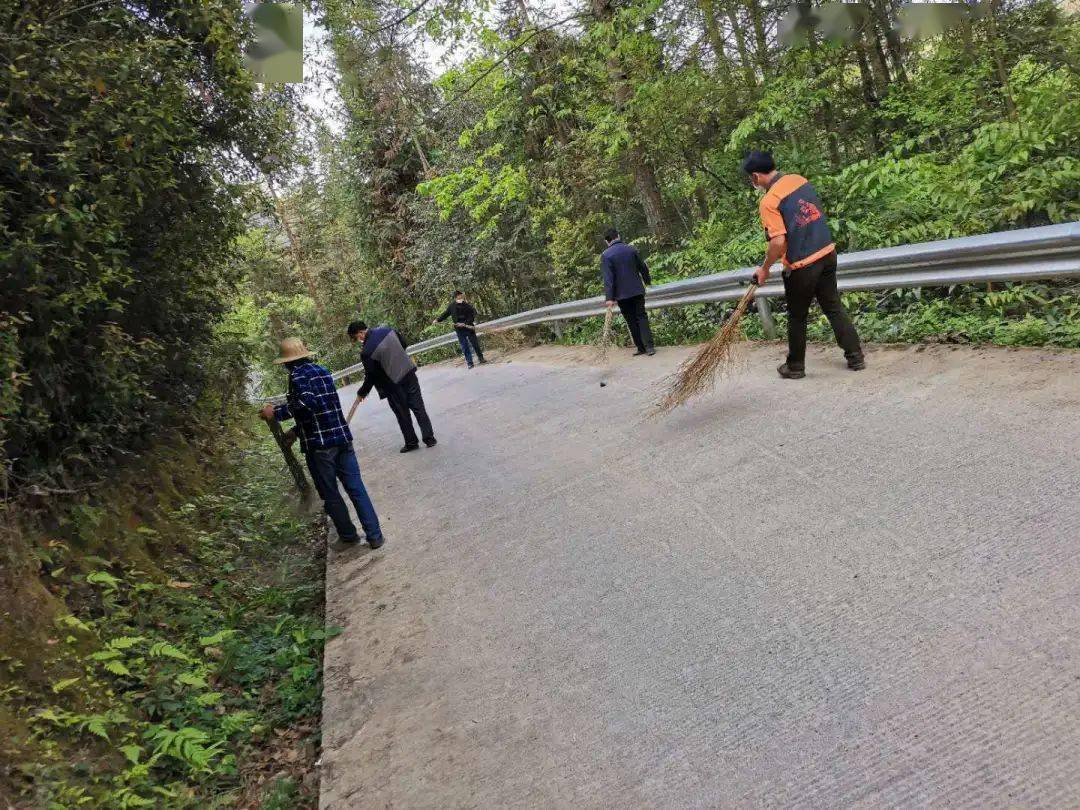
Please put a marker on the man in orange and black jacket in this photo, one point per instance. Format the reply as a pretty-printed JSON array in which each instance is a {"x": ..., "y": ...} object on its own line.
[{"x": 798, "y": 233}]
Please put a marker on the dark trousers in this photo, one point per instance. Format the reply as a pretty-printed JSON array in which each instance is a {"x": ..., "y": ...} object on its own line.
[
  {"x": 633, "y": 309},
  {"x": 403, "y": 398},
  {"x": 801, "y": 287},
  {"x": 327, "y": 466},
  {"x": 465, "y": 337}
]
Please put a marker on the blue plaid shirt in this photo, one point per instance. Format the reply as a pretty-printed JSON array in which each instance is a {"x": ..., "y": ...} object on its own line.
[{"x": 313, "y": 402}]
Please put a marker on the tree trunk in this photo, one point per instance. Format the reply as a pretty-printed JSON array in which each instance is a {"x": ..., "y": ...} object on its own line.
[
  {"x": 824, "y": 118},
  {"x": 866, "y": 79},
  {"x": 887, "y": 25},
  {"x": 757, "y": 19},
  {"x": 740, "y": 44},
  {"x": 999, "y": 62},
  {"x": 877, "y": 55},
  {"x": 294, "y": 248},
  {"x": 645, "y": 183},
  {"x": 716, "y": 40}
]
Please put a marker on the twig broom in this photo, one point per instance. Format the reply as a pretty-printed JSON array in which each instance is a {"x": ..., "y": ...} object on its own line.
[
  {"x": 606, "y": 341},
  {"x": 698, "y": 374}
]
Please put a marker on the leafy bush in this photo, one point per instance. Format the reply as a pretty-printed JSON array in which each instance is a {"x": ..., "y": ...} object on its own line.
[
  {"x": 117, "y": 214},
  {"x": 176, "y": 688}
]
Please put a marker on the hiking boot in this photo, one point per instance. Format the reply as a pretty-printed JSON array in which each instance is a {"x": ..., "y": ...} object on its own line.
[
  {"x": 349, "y": 540},
  {"x": 650, "y": 351},
  {"x": 856, "y": 363},
  {"x": 431, "y": 442},
  {"x": 483, "y": 362},
  {"x": 789, "y": 373},
  {"x": 376, "y": 542},
  {"x": 409, "y": 448}
]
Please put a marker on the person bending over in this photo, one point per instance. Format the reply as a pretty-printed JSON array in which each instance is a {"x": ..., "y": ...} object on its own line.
[
  {"x": 326, "y": 441},
  {"x": 798, "y": 233},
  {"x": 625, "y": 275},
  {"x": 390, "y": 371}
]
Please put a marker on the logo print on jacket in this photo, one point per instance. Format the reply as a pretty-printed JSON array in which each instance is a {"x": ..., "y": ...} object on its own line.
[{"x": 808, "y": 212}]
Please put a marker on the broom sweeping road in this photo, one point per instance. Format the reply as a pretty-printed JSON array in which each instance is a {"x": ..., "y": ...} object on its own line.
[{"x": 857, "y": 589}]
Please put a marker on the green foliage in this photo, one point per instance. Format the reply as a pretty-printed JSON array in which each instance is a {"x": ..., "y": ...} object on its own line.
[
  {"x": 128, "y": 130},
  {"x": 174, "y": 688},
  {"x": 545, "y": 136}
]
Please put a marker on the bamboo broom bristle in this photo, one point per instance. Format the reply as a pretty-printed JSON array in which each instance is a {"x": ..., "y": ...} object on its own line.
[
  {"x": 717, "y": 357},
  {"x": 604, "y": 345}
]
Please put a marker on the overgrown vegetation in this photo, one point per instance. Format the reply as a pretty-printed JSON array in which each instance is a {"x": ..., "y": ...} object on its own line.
[
  {"x": 183, "y": 664},
  {"x": 497, "y": 174},
  {"x": 163, "y": 218},
  {"x": 131, "y": 134}
]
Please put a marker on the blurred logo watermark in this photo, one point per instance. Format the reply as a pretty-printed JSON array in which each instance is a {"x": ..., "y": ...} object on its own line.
[
  {"x": 846, "y": 22},
  {"x": 277, "y": 52}
]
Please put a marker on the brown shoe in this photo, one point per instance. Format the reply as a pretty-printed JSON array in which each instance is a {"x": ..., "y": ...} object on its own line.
[{"x": 789, "y": 373}]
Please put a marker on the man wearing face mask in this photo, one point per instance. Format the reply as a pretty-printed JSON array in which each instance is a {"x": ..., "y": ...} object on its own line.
[{"x": 798, "y": 233}]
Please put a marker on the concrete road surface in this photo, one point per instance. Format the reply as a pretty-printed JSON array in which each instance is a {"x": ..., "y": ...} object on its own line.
[{"x": 853, "y": 590}]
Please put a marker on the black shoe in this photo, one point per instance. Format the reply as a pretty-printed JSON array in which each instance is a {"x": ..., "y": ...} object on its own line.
[
  {"x": 483, "y": 362},
  {"x": 789, "y": 373},
  {"x": 470, "y": 365},
  {"x": 409, "y": 448},
  {"x": 431, "y": 442},
  {"x": 650, "y": 352},
  {"x": 349, "y": 540},
  {"x": 639, "y": 352},
  {"x": 857, "y": 364},
  {"x": 377, "y": 542}
]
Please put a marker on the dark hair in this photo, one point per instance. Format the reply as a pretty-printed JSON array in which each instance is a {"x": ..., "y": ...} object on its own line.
[
  {"x": 457, "y": 293},
  {"x": 356, "y": 327},
  {"x": 756, "y": 161},
  {"x": 611, "y": 234}
]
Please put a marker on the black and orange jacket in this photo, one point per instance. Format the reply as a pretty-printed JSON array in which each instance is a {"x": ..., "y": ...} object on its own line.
[{"x": 792, "y": 208}]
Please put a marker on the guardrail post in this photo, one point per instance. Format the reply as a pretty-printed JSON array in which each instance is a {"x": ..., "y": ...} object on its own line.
[
  {"x": 765, "y": 313},
  {"x": 290, "y": 458}
]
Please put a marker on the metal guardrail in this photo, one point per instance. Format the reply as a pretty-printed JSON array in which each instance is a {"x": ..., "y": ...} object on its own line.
[{"x": 1052, "y": 251}]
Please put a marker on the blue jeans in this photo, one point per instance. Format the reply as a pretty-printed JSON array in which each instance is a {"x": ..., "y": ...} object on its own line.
[
  {"x": 327, "y": 466},
  {"x": 465, "y": 337}
]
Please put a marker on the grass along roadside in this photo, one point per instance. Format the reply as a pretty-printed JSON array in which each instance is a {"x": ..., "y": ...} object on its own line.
[{"x": 192, "y": 682}]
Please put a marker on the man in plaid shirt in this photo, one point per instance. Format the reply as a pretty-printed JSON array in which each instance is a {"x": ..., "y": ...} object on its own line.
[{"x": 326, "y": 441}]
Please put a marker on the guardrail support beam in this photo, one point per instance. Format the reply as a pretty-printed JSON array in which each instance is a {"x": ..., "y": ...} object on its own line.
[{"x": 765, "y": 313}]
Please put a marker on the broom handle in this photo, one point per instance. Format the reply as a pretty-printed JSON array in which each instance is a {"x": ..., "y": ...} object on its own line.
[{"x": 352, "y": 410}]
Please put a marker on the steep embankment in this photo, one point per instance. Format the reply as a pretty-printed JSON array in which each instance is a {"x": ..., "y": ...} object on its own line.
[{"x": 161, "y": 638}]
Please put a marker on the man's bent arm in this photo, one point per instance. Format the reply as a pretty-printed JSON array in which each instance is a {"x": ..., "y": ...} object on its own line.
[
  {"x": 369, "y": 379},
  {"x": 777, "y": 246}
]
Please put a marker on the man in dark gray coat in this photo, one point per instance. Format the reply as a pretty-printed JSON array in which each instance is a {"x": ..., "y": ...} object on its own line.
[
  {"x": 390, "y": 371},
  {"x": 625, "y": 276}
]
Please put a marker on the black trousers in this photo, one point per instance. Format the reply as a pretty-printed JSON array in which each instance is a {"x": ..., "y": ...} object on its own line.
[
  {"x": 403, "y": 398},
  {"x": 801, "y": 287},
  {"x": 633, "y": 309}
]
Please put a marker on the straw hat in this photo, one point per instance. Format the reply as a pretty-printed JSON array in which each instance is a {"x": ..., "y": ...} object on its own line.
[{"x": 292, "y": 349}]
